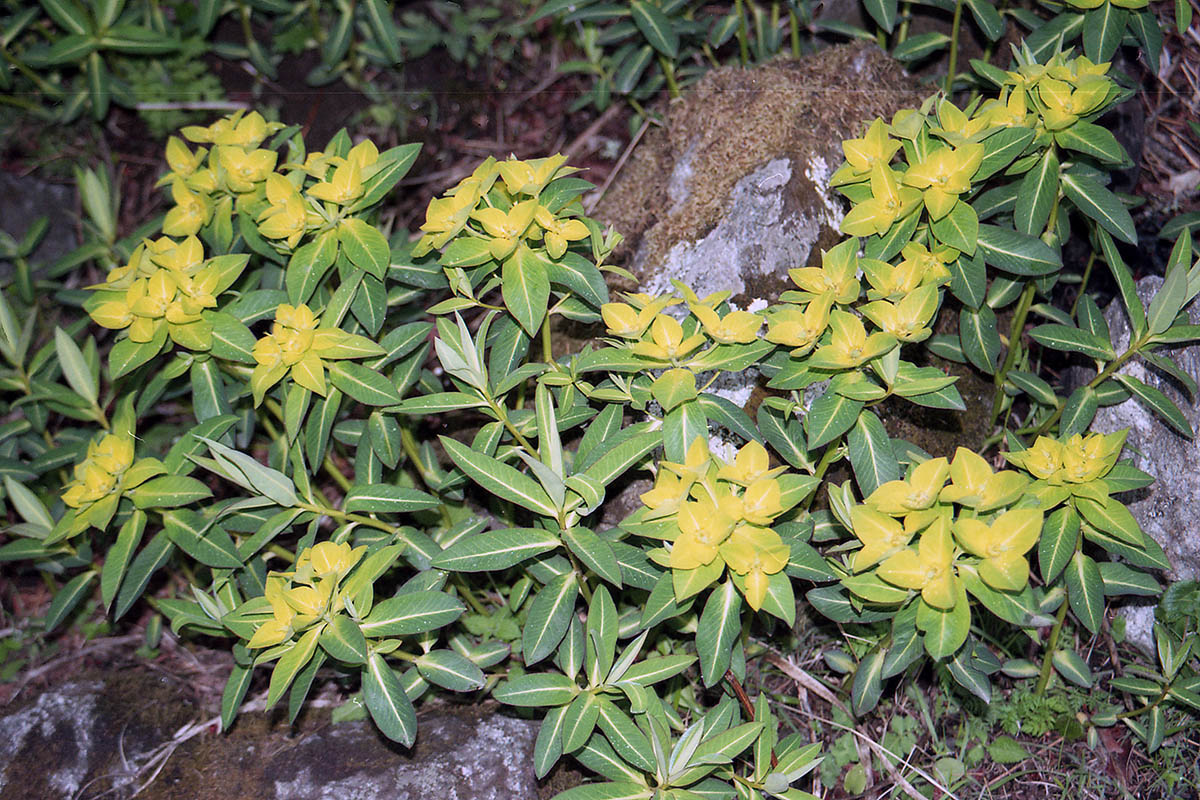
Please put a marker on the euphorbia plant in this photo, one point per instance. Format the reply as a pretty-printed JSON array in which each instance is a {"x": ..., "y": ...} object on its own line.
[{"x": 323, "y": 527}]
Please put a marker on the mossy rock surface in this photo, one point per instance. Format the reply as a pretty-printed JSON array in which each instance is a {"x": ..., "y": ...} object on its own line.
[{"x": 734, "y": 190}]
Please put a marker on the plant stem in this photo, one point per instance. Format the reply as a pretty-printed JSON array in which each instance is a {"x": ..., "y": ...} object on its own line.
[
  {"x": 827, "y": 459},
  {"x": 743, "y": 37},
  {"x": 794, "y": 29},
  {"x": 740, "y": 692},
  {"x": 1051, "y": 646},
  {"x": 1104, "y": 375},
  {"x": 952, "y": 66},
  {"x": 1014, "y": 347},
  {"x": 1083, "y": 282},
  {"x": 547, "y": 347},
  {"x": 669, "y": 71}
]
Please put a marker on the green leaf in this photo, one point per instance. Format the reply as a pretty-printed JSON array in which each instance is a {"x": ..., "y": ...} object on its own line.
[
  {"x": 365, "y": 246},
  {"x": 495, "y": 550},
  {"x": 27, "y": 504},
  {"x": 536, "y": 690},
  {"x": 1072, "y": 667},
  {"x": 719, "y": 626},
  {"x": 549, "y": 615},
  {"x": 1078, "y": 411},
  {"x": 1157, "y": 402},
  {"x": 958, "y": 229},
  {"x": 1007, "y": 750},
  {"x": 67, "y": 598},
  {"x": 917, "y": 47},
  {"x": 75, "y": 367},
  {"x": 1001, "y": 149},
  {"x": 1073, "y": 340},
  {"x": 116, "y": 560},
  {"x": 387, "y": 701},
  {"x": 629, "y": 742},
  {"x": 871, "y": 453},
  {"x": 1016, "y": 253},
  {"x": 1039, "y": 190},
  {"x": 127, "y": 355},
  {"x": 343, "y": 640},
  {"x": 1058, "y": 542},
  {"x": 945, "y": 629},
  {"x": 1103, "y": 28},
  {"x": 450, "y": 670},
  {"x": 210, "y": 397},
  {"x": 979, "y": 337},
  {"x": 1120, "y": 579},
  {"x": 1085, "y": 591},
  {"x": 68, "y": 14},
  {"x": 499, "y": 478},
  {"x": 884, "y": 12},
  {"x": 152, "y": 557},
  {"x": 682, "y": 426},
  {"x": 412, "y": 612},
  {"x": 201, "y": 539},
  {"x": 307, "y": 267},
  {"x": 830, "y": 416},
  {"x": 365, "y": 385},
  {"x": 595, "y": 553},
  {"x": 231, "y": 340},
  {"x": 614, "y": 790},
  {"x": 259, "y": 479},
  {"x": 867, "y": 687},
  {"x": 673, "y": 387},
  {"x": 1093, "y": 140},
  {"x": 1171, "y": 296},
  {"x": 291, "y": 663},
  {"x": 656, "y": 27},
  {"x": 388, "y": 499},
  {"x": 1100, "y": 204},
  {"x": 169, "y": 491},
  {"x": 525, "y": 288},
  {"x": 1124, "y": 278},
  {"x": 233, "y": 694}
]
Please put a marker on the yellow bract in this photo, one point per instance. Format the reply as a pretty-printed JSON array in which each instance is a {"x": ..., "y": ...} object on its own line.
[
  {"x": 1002, "y": 545},
  {"x": 799, "y": 328},
  {"x": 945, "y": 174},
  {"x": 889, "y": 202},
  {"x": 101, "y": 470},
  {"x": 246, "y": 131},
  {"x": 928, "y": 569},
  {"x": 1079, "y": 460},
  {"x": 875, "y": 147},
  {"x": 917, "y": 493},
  {"x": 166, "y": 283},
  {"x": 974, "y": 485},
  {"x": 667, "y": 341},
  {"x": 296, "y": 345},
  {"x": 243, "y": 170},
  {"x": 849, "y": 345}
]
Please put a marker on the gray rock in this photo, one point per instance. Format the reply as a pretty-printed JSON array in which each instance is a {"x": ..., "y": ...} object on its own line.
[
  {"x": 734, "y": 190},
  {"x": 1167, "y": 509},
  {"x": 88, "y": 739},
  {"x": 456, "y": 758}
]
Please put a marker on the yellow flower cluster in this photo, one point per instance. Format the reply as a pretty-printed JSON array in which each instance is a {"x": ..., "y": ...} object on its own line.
[
  {"x": 946, "y": 148},
  {"x": 307, "y": 594},
  {"x": 1079, "y": 460},
  {"x": 99, "y": 474},
  {"x": 502, "y": 199},
  {"x": 166, "y": 284},
  {"x": 992, "y": 535},
  {"x": 723, "y": 515},
  {"x": 105, "y": 474},
  {"x": 660, "y": 337},
  {"x": 235, "y": 167},
  {"x": 299, "y": 345}
]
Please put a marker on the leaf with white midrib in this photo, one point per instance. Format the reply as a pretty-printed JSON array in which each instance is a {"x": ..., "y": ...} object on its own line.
[{"x": 499, "y": 478}]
